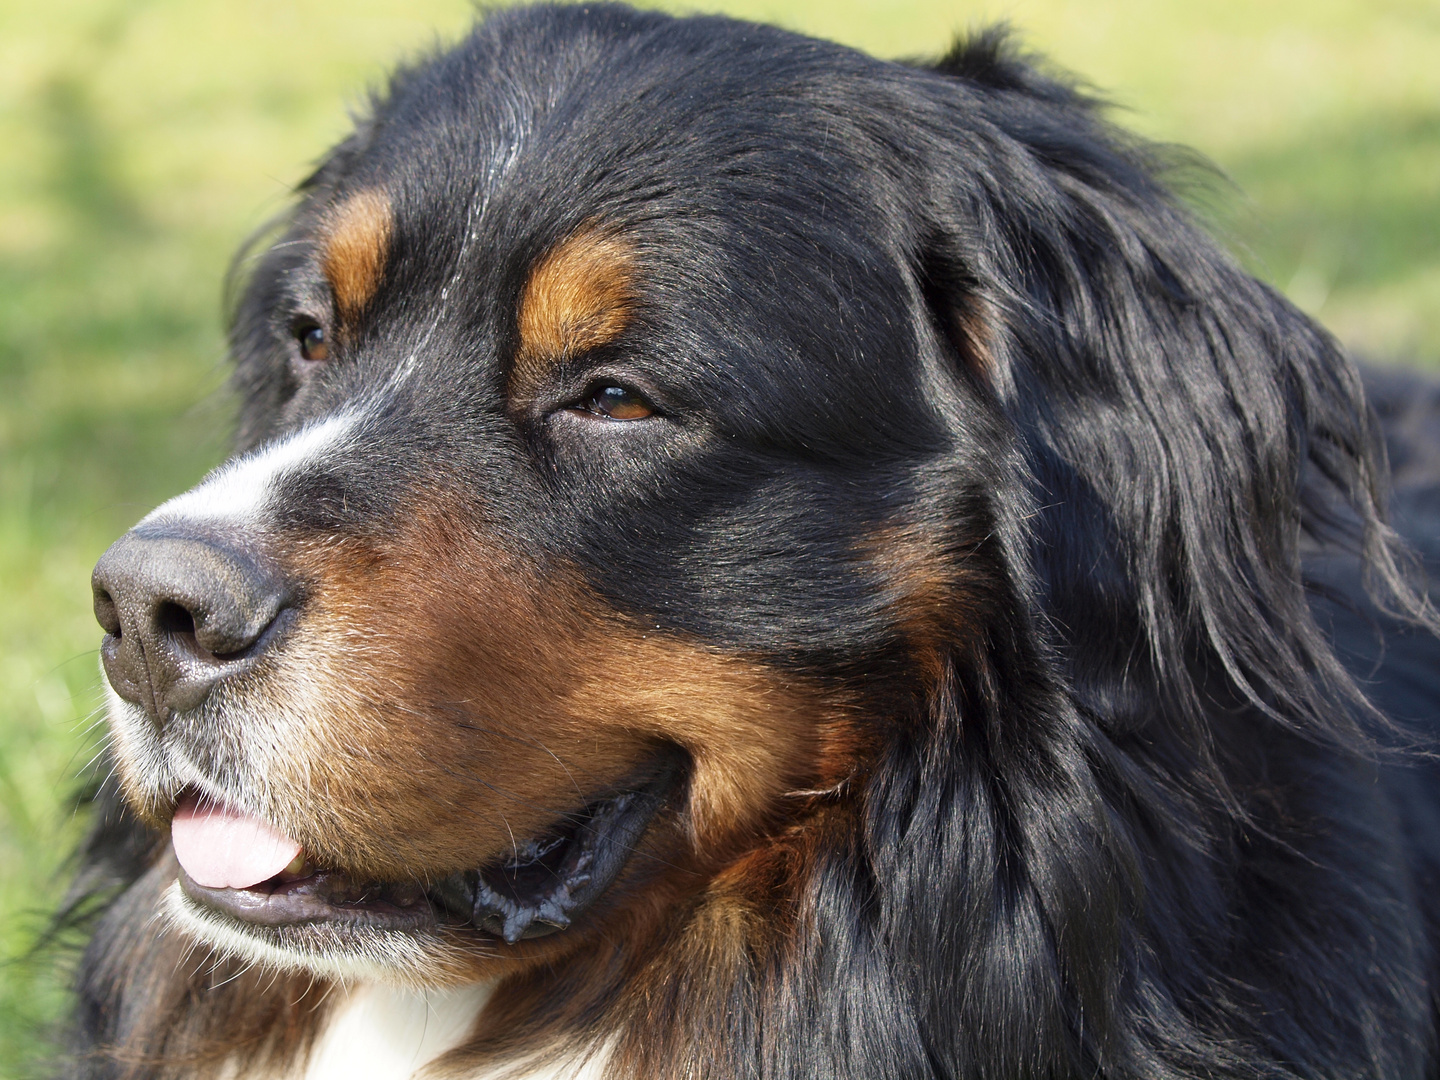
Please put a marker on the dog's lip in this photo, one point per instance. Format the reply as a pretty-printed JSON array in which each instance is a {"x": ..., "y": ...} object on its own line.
[
  {"x": 550, "y": 881},
  {"x": 324, "y": 896},
  {"x": 540, "y": 889}
]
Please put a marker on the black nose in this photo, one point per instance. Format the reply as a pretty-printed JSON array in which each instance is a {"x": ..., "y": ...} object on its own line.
[{"x": 180, "y": 613}]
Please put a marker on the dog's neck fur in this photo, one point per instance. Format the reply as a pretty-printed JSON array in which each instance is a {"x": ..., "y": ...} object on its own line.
[{"x": 382, "y": 1033}]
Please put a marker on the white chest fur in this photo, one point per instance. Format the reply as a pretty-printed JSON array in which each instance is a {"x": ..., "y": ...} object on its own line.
[{"x": 380, "y": 1033}]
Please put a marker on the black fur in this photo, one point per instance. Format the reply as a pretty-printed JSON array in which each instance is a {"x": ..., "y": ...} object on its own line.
[{"x": 1137, "y": 820}]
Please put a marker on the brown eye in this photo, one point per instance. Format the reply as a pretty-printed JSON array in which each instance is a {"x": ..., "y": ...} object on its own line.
[
  {"x": 313, "y": 345},
  {"x": 618, "y": 403}
]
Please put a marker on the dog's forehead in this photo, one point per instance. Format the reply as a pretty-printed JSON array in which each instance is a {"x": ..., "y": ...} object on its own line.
[
  {"x": 705, "y": 210},
  {"x": 711, "y": 159}
]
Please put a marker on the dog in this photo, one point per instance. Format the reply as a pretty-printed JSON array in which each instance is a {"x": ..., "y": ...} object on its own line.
[{"x": 747, "y": 560}]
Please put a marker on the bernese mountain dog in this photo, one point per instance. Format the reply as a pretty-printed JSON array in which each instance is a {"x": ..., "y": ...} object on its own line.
[{"x": 745, "y": 560}]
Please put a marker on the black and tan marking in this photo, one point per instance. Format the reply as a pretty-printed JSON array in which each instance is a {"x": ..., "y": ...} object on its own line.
[
  {"x": 355, "y": 239},
  {"x": 577, "y": 298},
  {"x": 919, "y": 681}
]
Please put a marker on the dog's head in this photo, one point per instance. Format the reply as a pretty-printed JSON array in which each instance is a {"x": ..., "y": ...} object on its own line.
[{"x": 675, "y": 454}]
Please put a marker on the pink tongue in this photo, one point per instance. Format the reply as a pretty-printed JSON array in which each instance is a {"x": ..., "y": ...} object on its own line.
[{"x": 223, "y": 849}]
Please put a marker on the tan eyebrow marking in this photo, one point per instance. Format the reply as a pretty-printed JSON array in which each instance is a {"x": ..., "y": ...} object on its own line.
[
  {"x": 356, "y": 242},
  {"x": 579, "y": 296}
]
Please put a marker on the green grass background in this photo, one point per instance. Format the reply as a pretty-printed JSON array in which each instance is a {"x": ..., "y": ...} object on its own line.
[{"x": 140, "y": 140}]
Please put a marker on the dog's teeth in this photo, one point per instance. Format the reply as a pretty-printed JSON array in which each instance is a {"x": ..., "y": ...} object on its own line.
[{"x": 296, "y": 865}]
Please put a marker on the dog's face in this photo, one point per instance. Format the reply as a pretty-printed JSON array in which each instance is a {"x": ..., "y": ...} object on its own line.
[
  {"x": 583, "y": 505},
  {"x": 790, "y": 561}
]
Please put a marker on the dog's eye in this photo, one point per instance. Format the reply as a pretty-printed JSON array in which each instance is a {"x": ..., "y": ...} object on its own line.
[
  {"x": 616, "y": 403},
  {"x": 313, "y": 344}
]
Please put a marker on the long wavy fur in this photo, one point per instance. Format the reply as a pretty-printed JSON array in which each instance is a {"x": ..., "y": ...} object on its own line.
[{"x": 1129, "y": 816}]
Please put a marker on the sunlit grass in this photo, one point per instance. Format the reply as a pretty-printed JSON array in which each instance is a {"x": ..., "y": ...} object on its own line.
[{"x": 141, "y": 140}]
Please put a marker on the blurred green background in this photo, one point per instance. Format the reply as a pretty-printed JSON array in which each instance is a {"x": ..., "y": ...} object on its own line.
[{"x": 141, "y": 140}]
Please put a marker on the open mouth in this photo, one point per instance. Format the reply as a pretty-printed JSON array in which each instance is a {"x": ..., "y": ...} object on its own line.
[{"x": 539, "y": 889}]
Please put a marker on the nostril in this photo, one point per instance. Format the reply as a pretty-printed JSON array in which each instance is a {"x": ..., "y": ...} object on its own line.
[
  {"x": 175, "y": 628},
  {"x": 106, "y": 613},
  {"x": 173, "y": 619},
  {"x": 180, "y": 629}
]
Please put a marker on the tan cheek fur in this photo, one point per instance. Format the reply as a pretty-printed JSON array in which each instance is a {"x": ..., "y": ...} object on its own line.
[
  {"x": 930, "y": 592},
  {"x": 751, "y": 735},
  {"x": 447, "y": 701}
]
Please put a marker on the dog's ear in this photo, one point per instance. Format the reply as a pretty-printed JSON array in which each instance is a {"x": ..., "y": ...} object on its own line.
[{"x": 1182, "y": 423}]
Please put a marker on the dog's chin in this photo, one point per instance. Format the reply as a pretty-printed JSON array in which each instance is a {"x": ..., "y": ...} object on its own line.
[
  {"x": 419, "y": 957},
  {"x": 430, "y": 930}
]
